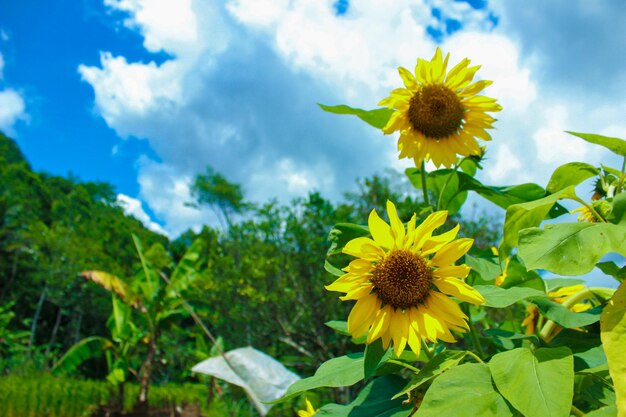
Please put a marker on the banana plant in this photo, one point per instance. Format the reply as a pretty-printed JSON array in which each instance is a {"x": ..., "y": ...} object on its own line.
[{"x": 143, "y": 306}]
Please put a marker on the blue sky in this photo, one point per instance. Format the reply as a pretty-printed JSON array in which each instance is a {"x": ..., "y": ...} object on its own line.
[{"x": 145, "y": 93}]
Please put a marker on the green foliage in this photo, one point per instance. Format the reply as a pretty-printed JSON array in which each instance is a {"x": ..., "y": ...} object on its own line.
[
  {"x": 377, "y": 117},
  {"x": 499, "y": 297},
  {"x": 538, "y": 383},
  {"x": 613, "y": 333},
  {"x": 464, "y": 391},
  {"x": 343, "y": 371},
  {"x": 615, "y": 145},
  {"x": 570, "y": 248}
]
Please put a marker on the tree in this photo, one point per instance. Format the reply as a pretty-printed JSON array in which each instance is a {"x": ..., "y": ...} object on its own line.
[{"x": 214, "y": 190}]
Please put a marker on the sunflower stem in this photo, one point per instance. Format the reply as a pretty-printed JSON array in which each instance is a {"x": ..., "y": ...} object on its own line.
[
  {"x": 404, "y": 365},
  {"x": 473, "y": 355},
  {"x": 426, "y": 349},
  {"x": 424, "y": 185},
  {"x": 445, "y": 185},
  {"x": 620, "y": 183},
  {"x": 474, "y": 333},
  {"x": 590, "y": 207},
  {"x": 548, "y": 328},
  {"x": 575, "y": 411}
]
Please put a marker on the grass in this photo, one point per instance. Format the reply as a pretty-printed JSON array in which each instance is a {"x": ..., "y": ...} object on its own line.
[{"x": 48, "y": 396}]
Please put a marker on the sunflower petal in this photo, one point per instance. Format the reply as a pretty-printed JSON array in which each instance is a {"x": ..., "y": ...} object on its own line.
[
  {"x": 435, "y": 243},
  {"x": 380, "y": 324},
  {"x": 452, "y": 251},
  {"x": 408, "y": 78},
  {"x": 397, "y": 227},
  {"x": 362, "y": 315},
  {"x": 399, "y": 331},
  {"x": 380, "y": 230},
  {"x": 459, "y": 289},
  {"x": 424, "y": 231},
  {"x": 365, "y": 248}
]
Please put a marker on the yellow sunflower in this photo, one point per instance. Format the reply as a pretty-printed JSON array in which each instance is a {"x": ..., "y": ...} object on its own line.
[
  {"x": 309, "y": 412},
  {"x": 559, "y": 296},
  {"x": 401, "y": 280},
  {"x": 439, "y": 114},
  {"x": 585, "y": 215}
]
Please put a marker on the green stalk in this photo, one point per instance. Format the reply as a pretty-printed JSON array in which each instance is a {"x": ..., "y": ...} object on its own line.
[
  {"x": 474, "y": 333},
  {"x": 426, "y": 349},
  {"x": 590, "y": 207},
  {"x": 473, "y": 355},
  {"x": 550, "y": 325},
  {"x": 404, "y": 365},
  {"x": 620, "y": 183},
  {"x": 424, "y": 186},
  {"x": 574, "y": 410},
  {"x": 445, "y": 185}
]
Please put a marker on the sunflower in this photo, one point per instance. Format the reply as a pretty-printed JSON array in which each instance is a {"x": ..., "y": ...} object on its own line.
[
  {"x": 585, "y": 215},
  {"x": 559, "y": 296},
  {"x": 439, "y": 115},
  {"x": 309, "y": 412},
  {"x": 401, "y": 280}
]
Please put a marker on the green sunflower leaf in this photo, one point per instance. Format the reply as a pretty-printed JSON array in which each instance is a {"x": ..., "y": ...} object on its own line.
[
  {"x": 374, "y": 356},
  {"x": 487, "y": 269},
  {"x": 343, "y": 371},
  {"x": 618, "y": 212},
  {"x": 613, "y": 335},
  {"x": 556, "y": 283},
  {"x": 372, "y": 401},
  {"x": 570, "y": 248},
  {"x": 500, "y": 297},
  {"x": 608, "y": 411},
  {"x": 572, "y": 173},
  {"x": 615, "y": 145},
  {"x": 525, "y": 215},
  {"x": 464, "y": 391},
  {"x": 436, "y": 366},
  {"x": 538, "y": 383},
  {"x": 377, "y": 117},
  {"x": 563, "y": 316},
  {"x": 610, "y": 268},
  {"x": 342, "y": 233}
]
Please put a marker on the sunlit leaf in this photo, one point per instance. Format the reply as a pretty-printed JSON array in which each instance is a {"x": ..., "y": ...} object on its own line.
[
  {"x": 610, "y": 268},
  {"x": 372, "y": 401},
  {"x": 570, "y": 248},
  {"x": 565, "y": 317},
  {"x": 525, "y": 215},
  {"x": 343, "y": 371},
  {"x": 538, "y": 383},
  {"x": 500, "y": 297},
  {"x": 613, "y": 335},
  {"x": 572, "y": 173},
  {"x": 615, "y": 145},
  {"x": 377, "y": 117},
  {"x": 436, "y": 366},
  {"x": 464, "y": 391},
  {"x": 618, "y": 211}
]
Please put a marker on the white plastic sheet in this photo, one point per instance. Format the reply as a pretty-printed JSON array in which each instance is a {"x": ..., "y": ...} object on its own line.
[{"x": 262, "y": 377}]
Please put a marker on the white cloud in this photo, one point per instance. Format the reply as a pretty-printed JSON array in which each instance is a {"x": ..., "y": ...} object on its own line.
[
  {"x": 133, "y": 207},
  {"x": 12, "y": 108},
  {"x": 238, "y": 87},
  {"x": 166, "y": 191}
]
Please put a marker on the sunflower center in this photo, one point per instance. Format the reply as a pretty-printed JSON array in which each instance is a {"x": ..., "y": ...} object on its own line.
[
  {"x": 402, "y": 279},
  {"x": 435, "y": 111}
]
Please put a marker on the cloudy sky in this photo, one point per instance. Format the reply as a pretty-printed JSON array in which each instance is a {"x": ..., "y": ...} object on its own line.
[{"x": 145, "y": 93}]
